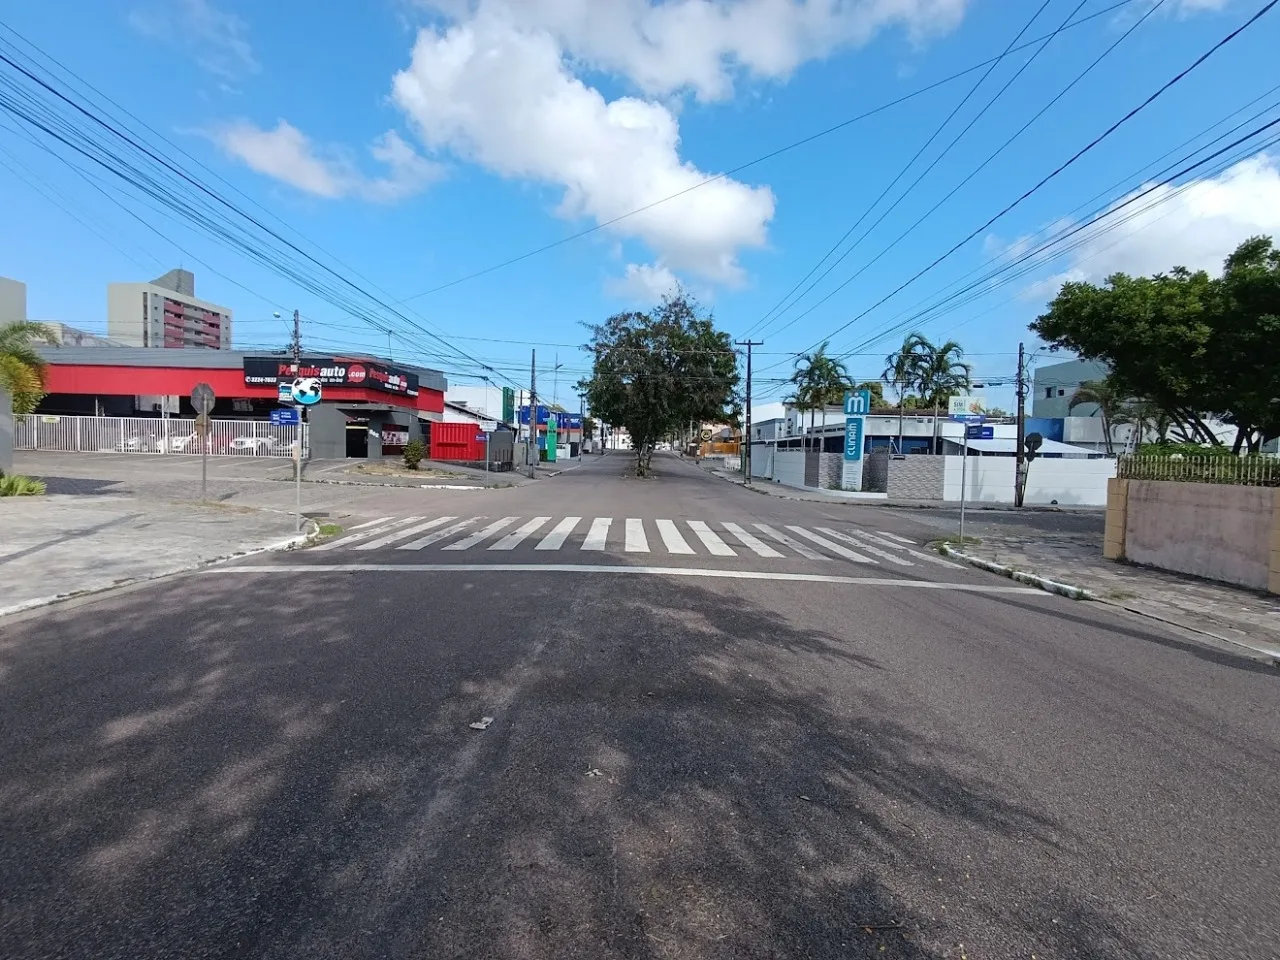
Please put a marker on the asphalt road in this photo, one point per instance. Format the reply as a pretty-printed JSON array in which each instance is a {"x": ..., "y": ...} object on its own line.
[{"x": 726, "y": 756}]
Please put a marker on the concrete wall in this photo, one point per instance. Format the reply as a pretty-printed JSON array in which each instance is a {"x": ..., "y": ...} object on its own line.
[
  {"x": 6, "y": 433},
  {"x": 1068, "y": 481},
  {"x": 916, "y": 477},
  {"x": 1216, "y": 531},
  {"x": 789, "y": 467},
  {"x": 762, "y": 460}
]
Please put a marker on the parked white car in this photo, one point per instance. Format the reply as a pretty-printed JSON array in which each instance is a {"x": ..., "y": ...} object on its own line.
[{"x": 258, "y": 446}]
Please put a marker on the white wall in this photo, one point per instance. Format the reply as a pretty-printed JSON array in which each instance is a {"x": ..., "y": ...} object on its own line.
[
  {"x": 484, "y": 400},
  {"x": 789, "y": 467},
  {"x": 1072, "y": 481},
  {"x": 762, "y": 455}
]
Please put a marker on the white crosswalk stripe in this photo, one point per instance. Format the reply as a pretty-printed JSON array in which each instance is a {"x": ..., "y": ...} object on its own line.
[
  {"x": 863, "y": 535},
  {"x": 598, "y": 535},
  {"x": 874, "y": 551},
  {"x": 711, "y": 540},
  {"x": 636, "y": 542},
  {"x": 786, "y": 541},
  {"x": 719, "y": 539},
  {"x": 751, "y": 541},
  {"x": 671, "y": 538},
  {"x": 367, "y": 532},
  {"x": 513, "y": 540},
  {"x": 826, "y": 544},
  {"x": 482, "y": 535},
  {"x": 559, "y": 533},
  {"x": 400, "y": 534},
  {"x": 439, "y": 535}
]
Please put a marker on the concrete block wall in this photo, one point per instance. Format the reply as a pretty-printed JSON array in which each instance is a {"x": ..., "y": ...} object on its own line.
[
  {"x": 917, "y": 477},
  {"x": 6, "y": 433},
  {"x": 1220, "y": 532}
]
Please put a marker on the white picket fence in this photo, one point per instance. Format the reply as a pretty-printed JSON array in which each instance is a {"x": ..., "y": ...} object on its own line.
[{"x": 228, "y": 438}]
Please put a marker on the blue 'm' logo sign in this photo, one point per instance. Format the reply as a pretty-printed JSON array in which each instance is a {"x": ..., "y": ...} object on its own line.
[
  {"x": 857, "y": 404},
  {"x": 853, "y": 438}
]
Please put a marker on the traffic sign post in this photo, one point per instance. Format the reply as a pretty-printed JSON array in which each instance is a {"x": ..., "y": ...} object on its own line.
[
  {"x": 306, "y": 392},
  {"x": 203, "y": 399},
  {"x": 968, "y": 410},
  {"x": 485, "y": 437},
  {"x": 285, "y": 418}
]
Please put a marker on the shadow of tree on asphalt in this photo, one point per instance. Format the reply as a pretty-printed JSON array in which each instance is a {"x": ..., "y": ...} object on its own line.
[{"x": 692, "y": 777}]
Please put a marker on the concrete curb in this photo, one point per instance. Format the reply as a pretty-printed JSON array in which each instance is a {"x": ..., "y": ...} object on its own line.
[
  {"x": 296, "y": 540},
  {"x": 1044, "y": 583},
  {"x": 1079, "y": 593}
]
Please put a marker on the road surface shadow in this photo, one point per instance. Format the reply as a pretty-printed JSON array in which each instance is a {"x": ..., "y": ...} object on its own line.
[{"x": 286, "y": 768}]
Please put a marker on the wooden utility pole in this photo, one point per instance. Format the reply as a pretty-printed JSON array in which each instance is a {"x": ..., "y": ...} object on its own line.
[{"x": 746, "y": 420}]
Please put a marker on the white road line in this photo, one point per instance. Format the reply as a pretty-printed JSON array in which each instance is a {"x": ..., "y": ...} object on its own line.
[
  {"x": 637, "y": 542},
  {"x": 751, "y": 541},
  {"x": 620, "y": 569},
  {"x": 795, "y": 545},
  {"x": 466, "y": 543},
  {"x": 598, "y": 534},
  {"x": 342, "y": 542},
  {"x": 404, "y": 532},
  {"x": 369, "y": 523},
  {"x": 439, "y": 535},
  {"x": 826, "y": 544},
  {"x": 874, "y": 551},
  {"x": 559, "y": 533},
  {"x": 915, "y": 553},
  {"x": 894, "y": 536},
  {"x": 520, "y": 534},
  {"x": 711, "y": 540},
  {"x": 671, "y": 538}
]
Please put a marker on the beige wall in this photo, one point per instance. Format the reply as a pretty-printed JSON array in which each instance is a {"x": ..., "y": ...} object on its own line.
[{"x": 1217, "y": 531}]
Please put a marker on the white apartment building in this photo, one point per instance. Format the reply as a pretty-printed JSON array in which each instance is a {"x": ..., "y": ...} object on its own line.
[{"x": 165, "y": 313}]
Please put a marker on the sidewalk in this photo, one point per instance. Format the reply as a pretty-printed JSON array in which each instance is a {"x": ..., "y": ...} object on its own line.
[
  {"x": 1231, "y": 615},
  {"x": 57, "y": 546}
]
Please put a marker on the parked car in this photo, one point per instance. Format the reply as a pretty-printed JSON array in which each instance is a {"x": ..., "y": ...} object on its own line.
[{"x": 259, "y": 447}]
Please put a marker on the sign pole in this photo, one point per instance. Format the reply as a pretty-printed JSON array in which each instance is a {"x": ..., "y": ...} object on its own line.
[
  {"x": 964, "y": 472},
  {"x": 486, "y": 451},
  {"x": 297, "y": 473},
  {"x": 204, "y": 465}
]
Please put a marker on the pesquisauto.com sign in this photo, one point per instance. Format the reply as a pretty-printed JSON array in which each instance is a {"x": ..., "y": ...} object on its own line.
[{"x": 331, "y": 372}]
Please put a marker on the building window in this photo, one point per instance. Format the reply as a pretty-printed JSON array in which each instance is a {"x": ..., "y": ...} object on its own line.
[
  {"x": 1062, "y": 392},
  {"x": 1048, "y": 393}
]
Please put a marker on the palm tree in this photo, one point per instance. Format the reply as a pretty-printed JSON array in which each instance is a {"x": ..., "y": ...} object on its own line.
[
  {"x": 902, "y": 371},
  {"x": 1111, "y": 403},
  {"x": 942, "y": 373},
  {"x": 819, "y": 379},
  {"x": 21, "y": 367}
]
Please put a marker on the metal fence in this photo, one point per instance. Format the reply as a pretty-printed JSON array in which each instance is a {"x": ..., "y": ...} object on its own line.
[
  {"x": 228, "y": 438},
  {"x": 1251, "y": 471}
]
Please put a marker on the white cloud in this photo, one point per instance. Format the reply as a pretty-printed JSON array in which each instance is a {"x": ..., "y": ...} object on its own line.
[
  {"x": 287, "y": 154},
  {"x": 218, "y": 40},
  {"x": 504, "y": 97},
  {"x": 645, "y": 283},
  {"x": 699, "y": 44},
  {"x": 1196, "y": 225}
]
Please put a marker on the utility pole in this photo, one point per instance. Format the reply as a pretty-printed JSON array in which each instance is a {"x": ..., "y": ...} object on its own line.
[
  {"x": 533, "y": 414},
  {"x": 1020, "y": 468},
  {"x": 746, "y": 420},
  {"x": 295, "y": 345}
]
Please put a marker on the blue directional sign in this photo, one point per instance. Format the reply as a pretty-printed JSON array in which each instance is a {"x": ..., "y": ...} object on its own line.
[
  {"x": 284, "y": 392},
  {"x": 285, "y": 417},
  {"x": 853, "y": 439},
  {"x": 857, "y": 403},
  {"x": 978, "y": 432}
]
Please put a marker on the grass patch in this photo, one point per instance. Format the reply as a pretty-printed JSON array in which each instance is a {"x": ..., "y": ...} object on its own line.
[
  {"x": 956, "y": 542},
  {"x": 399, "y": 470},
  {"x": 16, "y": 486},
  {"x": 328, "y": 530}
]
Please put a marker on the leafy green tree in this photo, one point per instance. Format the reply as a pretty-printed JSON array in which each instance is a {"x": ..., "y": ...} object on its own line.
[
  {"x": 21, "y": 368},
  {"x": 820, "y": 380},
  {"x": 1185, "y": 344},
  {"x": 936, "y": 372},
  {"x": 655, "y": 372},
  {"x": 875, "y": 388},
  {"x": 1112, "y": 405}
]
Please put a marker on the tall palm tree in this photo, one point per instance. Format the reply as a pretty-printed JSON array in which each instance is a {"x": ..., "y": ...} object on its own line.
[
  {"x": 902, "y": 371},
  {"x": 820, "y": 379},
  {"x": 21, "y": 367},
  {"x": 1111, "y": 403},
  {"x": 942, "y": 373}
]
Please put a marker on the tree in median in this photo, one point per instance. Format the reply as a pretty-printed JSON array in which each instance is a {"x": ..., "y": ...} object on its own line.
[
  {"x": 21, "y": 367},
  {"x": 653, "y": 373}
]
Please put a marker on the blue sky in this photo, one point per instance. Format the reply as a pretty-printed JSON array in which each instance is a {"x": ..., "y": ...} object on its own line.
[{"x": 414, "y": 143}]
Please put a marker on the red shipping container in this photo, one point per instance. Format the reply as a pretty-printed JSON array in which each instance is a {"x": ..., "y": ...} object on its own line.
[{"x": 457, "y": 441}]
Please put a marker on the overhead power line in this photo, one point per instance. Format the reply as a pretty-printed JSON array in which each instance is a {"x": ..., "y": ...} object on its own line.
[{"x": 1059, "y": 170}]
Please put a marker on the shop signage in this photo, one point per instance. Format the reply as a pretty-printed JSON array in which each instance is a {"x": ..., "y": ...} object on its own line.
[{"x": 331, "y": 372}]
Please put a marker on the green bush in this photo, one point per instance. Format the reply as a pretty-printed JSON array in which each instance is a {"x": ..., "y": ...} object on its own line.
[
  {"x": 415, "y": 451},
  {"x": 15, "y": 486}
]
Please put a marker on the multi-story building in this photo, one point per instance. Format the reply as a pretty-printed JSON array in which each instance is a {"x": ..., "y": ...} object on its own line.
[
  {"x": 165, "y": 313},
  {"x": 13, "y": 300}
]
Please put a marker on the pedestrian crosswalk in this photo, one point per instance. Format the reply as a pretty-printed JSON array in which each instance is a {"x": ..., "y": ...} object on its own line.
[{"x": 635, "y": 536}]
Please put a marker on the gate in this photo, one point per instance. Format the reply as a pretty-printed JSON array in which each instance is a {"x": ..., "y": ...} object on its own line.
[{"x": 228, "y": 438}]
